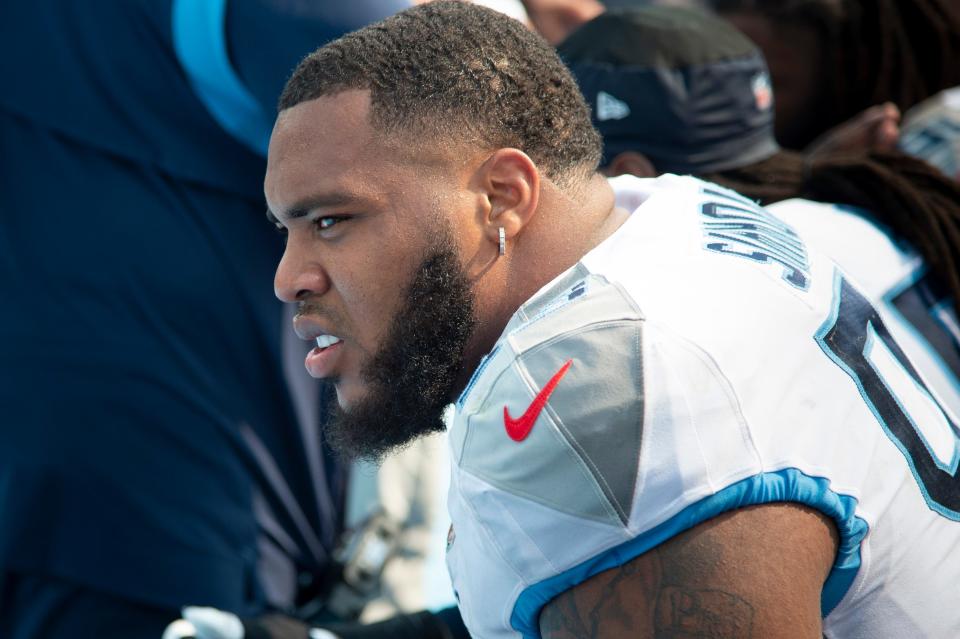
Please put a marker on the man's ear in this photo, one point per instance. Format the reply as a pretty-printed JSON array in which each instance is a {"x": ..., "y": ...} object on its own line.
[
  {"x": 631, "y": 163},
  {"x": 510, "y": 182}
]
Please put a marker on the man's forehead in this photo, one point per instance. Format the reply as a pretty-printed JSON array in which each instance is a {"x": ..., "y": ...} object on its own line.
[
  {"x": 330, "y": 143},
  {"x": 336, "y": 120},
  {"x": 317, "y": 140}
]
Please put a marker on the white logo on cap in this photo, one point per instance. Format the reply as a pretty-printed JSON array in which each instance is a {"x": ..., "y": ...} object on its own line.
[
  {"x": 610, "y": 108},
  {"x": 762, "y": 92}
]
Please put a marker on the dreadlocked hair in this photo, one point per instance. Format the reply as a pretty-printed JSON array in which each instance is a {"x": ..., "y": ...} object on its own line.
[
  {"x": 916, "y": 201},
  {"x": 456, "y": 71},
  {"x": 900, "y": 51}
]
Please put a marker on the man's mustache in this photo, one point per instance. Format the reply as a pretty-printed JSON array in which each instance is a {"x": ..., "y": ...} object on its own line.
[{"x": 318, "y": 310}]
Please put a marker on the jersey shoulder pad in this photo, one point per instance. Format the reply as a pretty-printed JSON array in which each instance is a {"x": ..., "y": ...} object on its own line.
[{"x": 554, "y": 414}]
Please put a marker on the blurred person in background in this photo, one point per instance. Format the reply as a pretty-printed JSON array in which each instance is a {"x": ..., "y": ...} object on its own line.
[
  {"x": 830, "y": 60},
  {"x": 790, "y": 27},
  {"x": 556, "y": 19}
]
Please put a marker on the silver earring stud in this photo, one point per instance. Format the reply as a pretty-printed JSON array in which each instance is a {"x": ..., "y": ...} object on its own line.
[{"x": 503, "y": 241}]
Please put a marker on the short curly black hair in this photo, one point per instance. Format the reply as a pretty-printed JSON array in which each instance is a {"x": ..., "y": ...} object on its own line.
[{"x": 463, "y": 71}]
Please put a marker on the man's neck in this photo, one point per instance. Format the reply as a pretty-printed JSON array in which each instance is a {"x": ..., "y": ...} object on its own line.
[{"x": 566, "y": 227}]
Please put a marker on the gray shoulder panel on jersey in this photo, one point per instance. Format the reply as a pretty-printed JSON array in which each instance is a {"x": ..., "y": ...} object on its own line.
[
  {"x": 603, "y": 421},
  {"x": 583, "y": 452}
]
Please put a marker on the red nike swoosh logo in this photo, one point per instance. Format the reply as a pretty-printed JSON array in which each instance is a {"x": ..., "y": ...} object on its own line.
[{"x": 518, "y": 429}]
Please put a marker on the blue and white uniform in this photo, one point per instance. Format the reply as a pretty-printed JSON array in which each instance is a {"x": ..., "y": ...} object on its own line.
[{"x": 718, "y": 358}]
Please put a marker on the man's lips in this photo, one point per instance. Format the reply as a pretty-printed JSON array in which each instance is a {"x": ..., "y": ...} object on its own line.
[{"x": 321, "y": 362}]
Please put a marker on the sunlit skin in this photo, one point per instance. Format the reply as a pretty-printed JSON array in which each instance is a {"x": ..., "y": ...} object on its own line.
[{"x": 362, "y": 208}]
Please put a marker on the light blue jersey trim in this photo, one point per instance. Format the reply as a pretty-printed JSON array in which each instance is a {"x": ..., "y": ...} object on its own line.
[
  {"x": 787, "y": 485},
  {"x": 200, "y": 42},
  {"x": 476, "y": 375}
]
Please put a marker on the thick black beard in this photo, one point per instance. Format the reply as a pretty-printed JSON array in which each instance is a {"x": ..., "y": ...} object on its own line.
[{"x": 411, "y": 378}]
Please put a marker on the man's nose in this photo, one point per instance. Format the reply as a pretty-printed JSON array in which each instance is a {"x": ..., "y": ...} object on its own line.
[{"x": 298, "y": 275}]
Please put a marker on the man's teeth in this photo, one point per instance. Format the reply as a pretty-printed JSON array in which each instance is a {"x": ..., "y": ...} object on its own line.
[{"x": 324, "y": 341}]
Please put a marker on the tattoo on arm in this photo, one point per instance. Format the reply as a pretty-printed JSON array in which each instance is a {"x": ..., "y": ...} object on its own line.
[
  {"x": 757, "y": 571},
  {"x": 637, "y": 600},
  {"x": 711, "y": 614},
  {"x": 562, "y": 619},
  {"x": 582, "y": 614}
]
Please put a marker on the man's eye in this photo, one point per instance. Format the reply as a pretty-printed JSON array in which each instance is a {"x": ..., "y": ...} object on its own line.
[{"x": 328, "y": 221}]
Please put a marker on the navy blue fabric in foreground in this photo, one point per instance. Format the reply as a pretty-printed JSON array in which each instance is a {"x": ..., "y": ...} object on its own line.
[{"x": 158, "y": 439}]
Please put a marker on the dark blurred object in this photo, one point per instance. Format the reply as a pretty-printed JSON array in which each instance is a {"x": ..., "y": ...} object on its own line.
[
  {"x": 656, "y": 86},
  {"x": 629, "y": 4},
  {"x": 358, "y": 563},
  {"x": 208, "y": 623},
  {"x": 445, "y": 624},
  {"x": 831, "y": 59},
  {"x": 160, "y": 440}
]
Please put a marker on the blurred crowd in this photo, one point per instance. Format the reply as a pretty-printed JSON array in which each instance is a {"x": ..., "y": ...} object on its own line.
[{"x": 161, "y": 446}]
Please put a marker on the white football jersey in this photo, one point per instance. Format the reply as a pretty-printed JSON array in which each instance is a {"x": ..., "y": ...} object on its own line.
[{"x": 707, "y": 356}]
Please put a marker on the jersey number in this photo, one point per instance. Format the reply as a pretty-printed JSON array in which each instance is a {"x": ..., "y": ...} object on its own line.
[{"x": 856, "y": 339}]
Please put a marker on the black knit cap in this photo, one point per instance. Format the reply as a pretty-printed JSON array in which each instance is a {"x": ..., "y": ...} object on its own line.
[{"x": 680, "y": 85}]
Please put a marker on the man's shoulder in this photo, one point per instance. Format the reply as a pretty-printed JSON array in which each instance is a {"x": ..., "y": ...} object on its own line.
[{"x": 536, "y": 418}]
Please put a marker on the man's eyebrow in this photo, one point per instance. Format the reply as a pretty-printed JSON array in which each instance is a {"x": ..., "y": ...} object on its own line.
[{"x": 302, "y": 209}]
